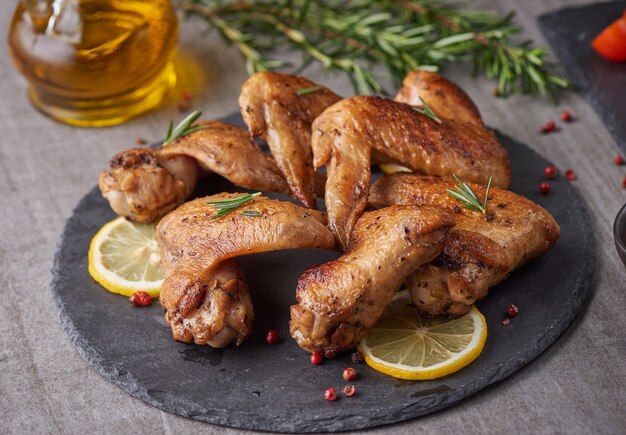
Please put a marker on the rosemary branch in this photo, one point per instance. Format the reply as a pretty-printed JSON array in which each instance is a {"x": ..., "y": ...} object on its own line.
[
  {"x": 350, "y": 36},
  {"x": 468, "y": 198},
  {"x": 229, "y": 205},
  {"x": 427, "y": 111},
  {"x": 183, "y": 128}
]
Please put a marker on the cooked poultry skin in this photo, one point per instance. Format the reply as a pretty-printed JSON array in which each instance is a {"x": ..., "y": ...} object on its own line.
[
  {"x": 482, "y": 250},
  {"x": 274, "y": 112},
  {"x": 339, "y": 301},
  {"x": 204, "y": 302},
  {"x": 143, "y": 184},
  {"x": 347, "y": 133}
]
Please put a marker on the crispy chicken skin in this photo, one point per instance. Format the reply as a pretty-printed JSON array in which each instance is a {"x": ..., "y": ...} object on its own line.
[
  {"x": 482, "y": 250},
  {"x": 340, "y": 300},
  {"x": 143, "y": 184},
  {"x": 347, "y": 133},
  {"x": 273, "y": 111},
  {"x": 205, "y": 297}
]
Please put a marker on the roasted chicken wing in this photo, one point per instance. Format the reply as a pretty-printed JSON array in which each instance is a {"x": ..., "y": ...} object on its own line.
[
  {"x": 273, "y": 110},
  {"x": 205, "y": 297},
  {"x": 340, "y": 300},
  {"x": 143, "y": 184},
  {"x": 482, "y": 249},
  {"x": 346, "y": 134}
]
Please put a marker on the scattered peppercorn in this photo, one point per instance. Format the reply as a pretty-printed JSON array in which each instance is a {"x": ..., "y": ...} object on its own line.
[
  {"x": 566, "y": 116},
  {"x": 544, "y": 187},
  {"x": 348, "y": 390},
  {"x": 349, "y": 374},
  {"x": 506, "y": 322},
  {"x": 140, "y": 141},
  {"x": 570, "y": 175},
  {"x": 618, "y": 160},
  {"x": 356, "y": 357},
  {"x": 272, "y": 337},
  {"x": 141, "y": 298},
  {"x": 549, "y": 127},
  {"x": 512, "y": 310},
  {"x": 330, "y": 394},
  {"x": 187, "y": 97},
  {"x": 624, "y": 182},
  {"x": 316, "y": 358},
  {"x": 550, "y": 172}
]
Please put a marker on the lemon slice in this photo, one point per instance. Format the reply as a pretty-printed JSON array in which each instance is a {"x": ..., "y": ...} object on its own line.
[
  {"x": 124, "y": 258},
  {"x": 408, "y": 345},
  {"x": 392, "y": 168}
]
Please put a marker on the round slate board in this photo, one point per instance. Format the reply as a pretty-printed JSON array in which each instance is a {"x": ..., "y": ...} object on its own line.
[{"x": 276, "y": 388}]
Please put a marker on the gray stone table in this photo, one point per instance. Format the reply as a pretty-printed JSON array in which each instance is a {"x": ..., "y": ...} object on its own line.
[{"x": 577, "y": 386}]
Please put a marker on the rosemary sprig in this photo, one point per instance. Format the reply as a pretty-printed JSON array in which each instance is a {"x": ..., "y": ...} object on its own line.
[
  {"x": 228, "y": 205},
  {"x": 427, "y": 111},
  {"x": 351, "y": 36},
  {"x": 310, "y": 90},
  {"x": 468, "y": 198},
  {"x": 184, "y": 128}
]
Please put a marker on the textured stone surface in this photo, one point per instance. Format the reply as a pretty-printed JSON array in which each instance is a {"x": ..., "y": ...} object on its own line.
[
  {"x": 275, "y": 388},
  {"x": 570, "y": 32}
]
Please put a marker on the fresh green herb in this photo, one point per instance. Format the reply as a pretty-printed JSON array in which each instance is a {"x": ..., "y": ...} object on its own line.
[
  {"x": 353, "y": 36},
  {"x": 228, "y": 205},
  {"x": 251, "y": 213},
  {"x": 308, "y": 90},
  {"x": 427, "y": 111},
  {"x": 467, "y": 196},
  {"x": 184, "y": 128}
]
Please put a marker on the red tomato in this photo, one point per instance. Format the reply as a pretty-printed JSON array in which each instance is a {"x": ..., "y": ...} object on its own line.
[{"x": 611, "y": 42}]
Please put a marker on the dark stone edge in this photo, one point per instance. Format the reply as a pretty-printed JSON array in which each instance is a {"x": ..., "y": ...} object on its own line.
[{"x": 422, "y": 406}]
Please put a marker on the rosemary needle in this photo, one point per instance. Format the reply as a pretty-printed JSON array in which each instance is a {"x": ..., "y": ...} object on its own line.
[
  {"x": 427, "y": 111},
  {"x": 228, "y": 205},
  {"x": 468, "y": 198},
  {"x": 184, "y": 128},
  {"x": 310, "y": 90}
]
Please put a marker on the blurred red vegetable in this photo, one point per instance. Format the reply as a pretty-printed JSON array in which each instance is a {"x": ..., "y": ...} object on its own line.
[{"x": 611, "y": 42}]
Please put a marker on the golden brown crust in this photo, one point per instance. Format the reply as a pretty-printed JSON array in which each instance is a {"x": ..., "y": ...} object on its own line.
[
  {"x": 273, "y": 111},
  {"x": 482, "y": 249},
  {"x": 340, "y": 300}
]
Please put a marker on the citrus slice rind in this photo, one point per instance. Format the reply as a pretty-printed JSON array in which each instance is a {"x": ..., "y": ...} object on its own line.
[
  {"x": 124, "y": 258},
  {"x": 408, "y": 345}
]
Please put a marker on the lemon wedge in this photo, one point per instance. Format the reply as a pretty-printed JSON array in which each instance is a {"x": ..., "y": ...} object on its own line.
[
  {"x": 406, "y": 344},
  {"x": 124, "y": 258},
  {"x": 392, "y": 168}
]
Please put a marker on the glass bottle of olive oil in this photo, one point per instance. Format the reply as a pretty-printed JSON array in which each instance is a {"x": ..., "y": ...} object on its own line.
[{"x": 94, "y": 63}]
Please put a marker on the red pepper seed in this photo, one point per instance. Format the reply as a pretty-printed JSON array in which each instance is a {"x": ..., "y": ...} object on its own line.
[
  {"x": 349, "y": 374},
  {"x": 566, "y": 116},
  {"x": 618, "y": 160},
  {"x": 272, "y": 337},
  {"x": 330, "y": 394},
  {"x": 348, "y": 390},
  {"x": 512, "y": 310},
  {"x": 316, "y": 358},
  {"x": 570, "y": 175},
  {"x": 549, "y": 127},
  {"x": 139, "y": 299},
  {"x": 550, "y": 172},
  {"x": 140, "y": 141},
  {"x": 624, "y": 182},
  {"x": 544, "y": 187},
  {"x": 506, "y": 322}
]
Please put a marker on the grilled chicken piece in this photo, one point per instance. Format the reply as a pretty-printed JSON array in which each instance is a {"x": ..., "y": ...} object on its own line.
[
  {"x": 205, "y": 297},
  {"x": 339, "y": 301},
  {"x": 274, "y": 111},
  {"x": 347, "y": 133},
  {"x": 143, "y": 184},
  {"x": 482, "y": 249}
]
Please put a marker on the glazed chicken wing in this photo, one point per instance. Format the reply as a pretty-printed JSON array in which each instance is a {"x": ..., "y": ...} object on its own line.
[
  {"x": 340, "y": 300},
  {"x": 205, "y": 297},
  {"x": 482, "y": 250},
  {"x": 143, "y": 184},
  {"x": 274, "y": 111},
  {"x": 346, "y": 134}
]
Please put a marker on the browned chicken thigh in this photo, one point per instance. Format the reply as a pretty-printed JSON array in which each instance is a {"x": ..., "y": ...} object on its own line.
[
  {"x": 143, "y": 184},
  {"x": 205, "y": 298},
  {"x": 347, "y": 133},
  {"x": 482, "y": 249},
  {"x": 339, "y": 301},
  {"x": 273, "y": 110}
]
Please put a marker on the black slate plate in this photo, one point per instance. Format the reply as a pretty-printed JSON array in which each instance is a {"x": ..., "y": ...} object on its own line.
[
  {"x": 275, "y": 388},
  {"x": 570, "y": 32}
]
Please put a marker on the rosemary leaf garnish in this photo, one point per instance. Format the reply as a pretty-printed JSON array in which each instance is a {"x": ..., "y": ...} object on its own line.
[
  {"x": 468, "y": 198},
  {"x": 228, "y": 205},
  {"x": 310, "y": 90},
  {"x": 251, "y": 213},
  {"x": 184, "y": 128},
  {"x": 427, "y": 111}
]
